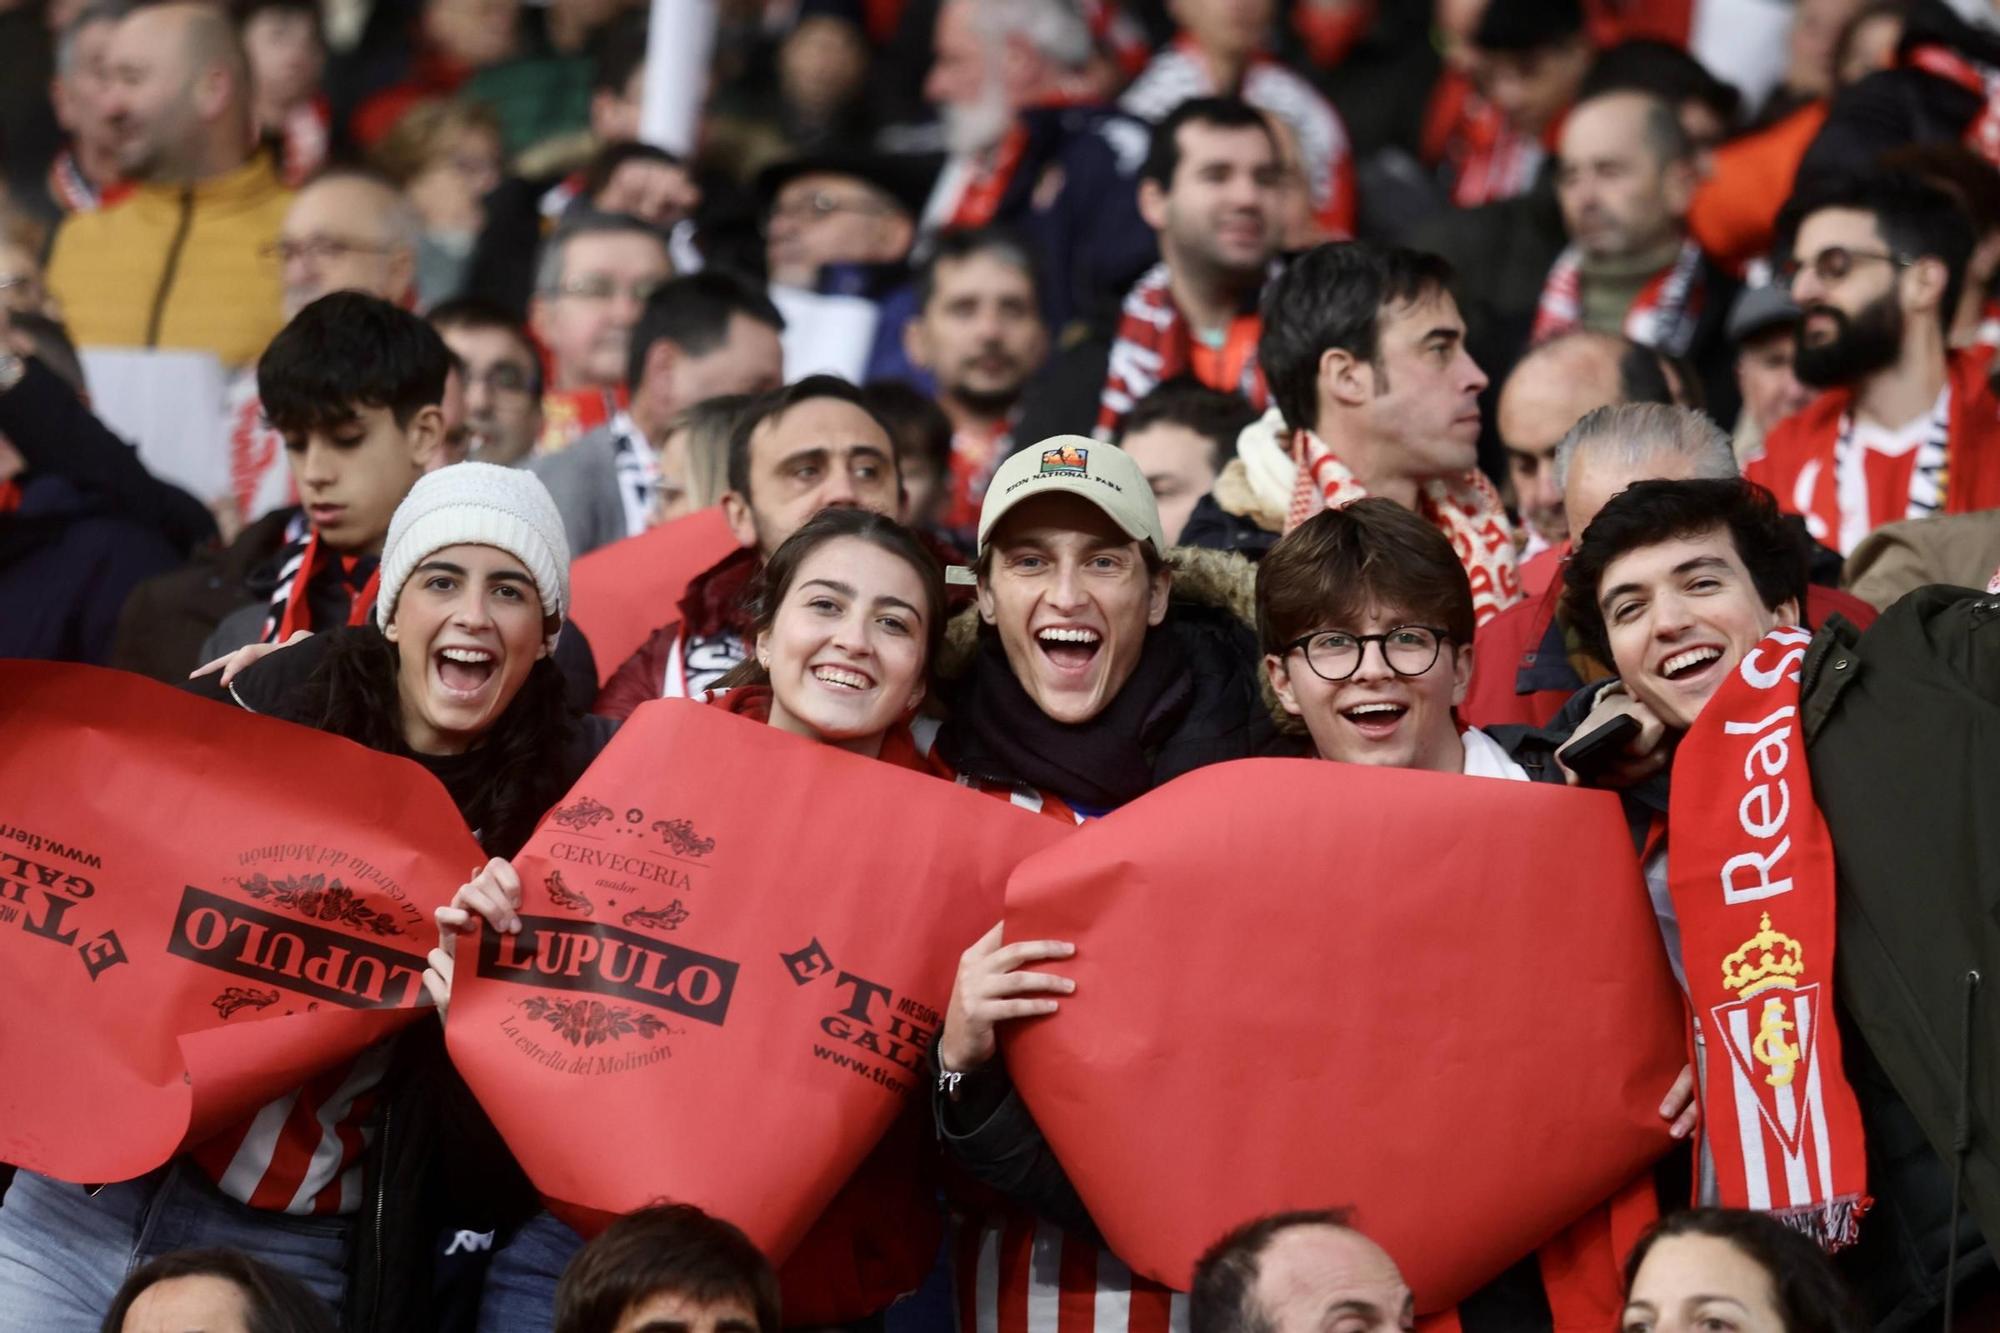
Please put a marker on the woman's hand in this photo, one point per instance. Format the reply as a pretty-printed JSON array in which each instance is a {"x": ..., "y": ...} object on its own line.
[
  {"x": 1641, "y": 757},
  {"x": 233, "y": 664},
  {"x": 493, "y": 895},
  {"x": 989, "y": 991}
]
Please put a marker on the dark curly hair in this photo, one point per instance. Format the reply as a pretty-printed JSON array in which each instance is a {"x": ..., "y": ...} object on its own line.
[
  {"x": 352, "y": 693},
  {"x": 273, "y": 1301},
  {"x": 1647, "y": 513},
  {"x": 1809, "y": 1295}
]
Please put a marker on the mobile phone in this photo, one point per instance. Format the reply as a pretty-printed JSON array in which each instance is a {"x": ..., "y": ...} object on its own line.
[{"x": 1591, "y": 754}]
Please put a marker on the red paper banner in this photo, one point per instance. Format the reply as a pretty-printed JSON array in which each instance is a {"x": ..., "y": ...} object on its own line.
[
  {"x": 737, "y": 947},
  {"x": 619, "y": 594},
  {"x": 199, "y": 909},
  {"x": 1440, "y": 1000}
]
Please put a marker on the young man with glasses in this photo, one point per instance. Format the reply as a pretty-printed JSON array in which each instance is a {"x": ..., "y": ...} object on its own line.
[
  {"x": 1908, "y": 427},
  {"x": 591, "y": 282},
  {"x": 503, "y": 378}
]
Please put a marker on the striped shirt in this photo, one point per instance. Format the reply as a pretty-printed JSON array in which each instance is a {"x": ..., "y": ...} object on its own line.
[{"x": 301, "y": 1154}]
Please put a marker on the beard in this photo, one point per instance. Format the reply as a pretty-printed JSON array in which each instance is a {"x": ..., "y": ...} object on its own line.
[
  {"x": 988, "y": 402},
  {"x": 973, "y": 127},
  {"x": 1862, "y": 344}
]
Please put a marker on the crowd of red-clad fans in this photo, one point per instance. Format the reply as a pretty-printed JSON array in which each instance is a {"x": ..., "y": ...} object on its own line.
[{"x": 1430, "y": 384}]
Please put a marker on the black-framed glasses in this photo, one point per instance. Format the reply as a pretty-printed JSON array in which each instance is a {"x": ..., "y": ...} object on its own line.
[
  {"x": 1334, "y": 654},
  {"x": 1836, "y": 262}
]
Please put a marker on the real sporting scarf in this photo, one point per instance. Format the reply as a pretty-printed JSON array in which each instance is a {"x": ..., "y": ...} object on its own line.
[
  {"x": 1465, "y": 508},
  {"x": 1982, "y": 132},
  {"x": 1664, "y": 316},
  {"x": 302, "y": 560},
  {"x": 1751, "y": 873},
  {"x": 1154, "y": 344}
]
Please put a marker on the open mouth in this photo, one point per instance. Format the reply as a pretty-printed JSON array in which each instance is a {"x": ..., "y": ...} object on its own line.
[
  {"x": 1375, "y": 720},
  {"x": 842, "y": 678},
  {"x": 1690, "y": 662},
  {"x": 1069, "y": 648},
  {"x": 464, "y": 672}
]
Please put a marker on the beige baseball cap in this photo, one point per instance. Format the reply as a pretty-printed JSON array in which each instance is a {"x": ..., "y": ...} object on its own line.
[{"x": 1101, "y": 473}]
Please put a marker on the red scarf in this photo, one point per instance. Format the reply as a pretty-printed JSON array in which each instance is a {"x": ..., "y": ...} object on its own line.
[
  {"x": 1466, "y": 136},
  {"x": 304, "y": 140},
  {"x": 569, "y": 414},
  {"x": 1750, "y": 868},
  {"x": 1982, "y": 135},
  {"x": 1664, "y": 316},
  {"x": 72, "y": 190},
  {"x": 10, "y": 496},
  {"x": 291, "y": 608},
  {"x": 1464, "y": 508},
  {"x": 1154, "y": 344}
]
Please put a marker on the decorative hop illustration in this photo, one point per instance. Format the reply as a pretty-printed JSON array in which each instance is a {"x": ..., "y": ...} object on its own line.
[
  {"x": 679, "y": 835},
  {"x": 581, "y": 814},
  {"x": 588, "y": 1022},
  {"x": 562, "y": 895},
  {"x": 243, "y": 997},
  {"x": 312, "y": 896},
  {"x": 658, "y": 918}
]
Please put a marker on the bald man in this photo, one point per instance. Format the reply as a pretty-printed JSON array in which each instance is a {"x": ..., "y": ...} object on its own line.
[
  {"x": 1625, "y": 178},
  {"x": 348, "y": 230},
  {"x": 1300, "y": 1272},
  {"x": 185, "y": 260},
  {"x": 1549, "y": 389}
]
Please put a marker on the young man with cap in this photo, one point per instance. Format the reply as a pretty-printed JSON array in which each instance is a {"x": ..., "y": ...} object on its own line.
[{"x": 1097, "y": 673}]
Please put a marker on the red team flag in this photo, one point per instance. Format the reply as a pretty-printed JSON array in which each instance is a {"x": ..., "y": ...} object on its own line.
[
  {"x": 737, "y": 947},
  {"x": 621, "y": 593},
  {"x": 189, "y": 927},
  {"x": 1440, "y": 1000}
]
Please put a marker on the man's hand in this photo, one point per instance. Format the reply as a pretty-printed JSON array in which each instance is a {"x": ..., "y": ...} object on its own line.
[
  {"x": 1643, "y": 755},
  {"x": 989, "y": 991},
  {"x": 233, "y": 664},
  {"x": 494, "y": 895},
  {"x": 1680, "y": 1107}
]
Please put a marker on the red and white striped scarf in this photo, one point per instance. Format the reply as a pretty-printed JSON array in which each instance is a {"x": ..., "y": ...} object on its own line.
[
  {"x": 1664, "y": 316},
  {"x": 302, "y": 559},
  {"x": 72, "y": 190},
  {"x": 1467, "y": 138},
  {"x": 1465, "y": 508},
  {"x": 1750, "y": 868},
  {"x": 1982, "y": 133},
  {"x": 1154, "y": 344},
  {"x": 301, "y": 1154}
]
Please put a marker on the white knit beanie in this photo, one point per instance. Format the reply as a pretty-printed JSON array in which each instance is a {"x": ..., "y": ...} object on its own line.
[{"x": 478, "y": 504}]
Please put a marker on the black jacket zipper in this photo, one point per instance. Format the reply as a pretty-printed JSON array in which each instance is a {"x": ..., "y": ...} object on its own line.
[{"x": 167, "y": 275}]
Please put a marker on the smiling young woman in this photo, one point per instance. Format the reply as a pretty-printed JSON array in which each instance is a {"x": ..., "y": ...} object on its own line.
[{"x": 458, "y": 671}]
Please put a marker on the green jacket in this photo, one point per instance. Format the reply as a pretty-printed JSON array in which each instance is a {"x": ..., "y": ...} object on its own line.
[{"x": 1902, "y": 726}]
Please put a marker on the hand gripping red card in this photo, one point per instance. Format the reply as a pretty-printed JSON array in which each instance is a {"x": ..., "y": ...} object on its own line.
[
  {"x": 1440, "y": 1000},
  {"x": 199, "y": 909},
  {"x": 736, "y": 948},
  {"x": 621, "y": 593}
]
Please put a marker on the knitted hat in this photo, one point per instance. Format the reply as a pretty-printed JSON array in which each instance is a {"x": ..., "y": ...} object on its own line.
[{"x": 478, "y": 504}]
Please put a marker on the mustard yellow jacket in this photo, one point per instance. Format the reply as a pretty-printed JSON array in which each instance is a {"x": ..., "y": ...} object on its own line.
[{"x": 177, "y": 266}]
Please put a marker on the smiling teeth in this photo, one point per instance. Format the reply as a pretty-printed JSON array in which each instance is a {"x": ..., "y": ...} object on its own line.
[
  {"x": 1359, "y": 709},
  {"x": 1068, "y": 636},
  {"x": 470, "y": 655},
  {"x": 1689, "y": 658},
  {"x": 835, "y": 676}
]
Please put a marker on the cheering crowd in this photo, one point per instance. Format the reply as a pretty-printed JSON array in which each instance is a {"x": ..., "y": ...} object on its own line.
[{"x": 1074, "y": 394}]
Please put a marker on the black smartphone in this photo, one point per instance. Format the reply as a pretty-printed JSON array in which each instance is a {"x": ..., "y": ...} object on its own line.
[{"x": 1588, "y": 755}]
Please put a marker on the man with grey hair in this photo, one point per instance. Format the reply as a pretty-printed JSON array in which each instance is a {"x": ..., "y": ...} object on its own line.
[
  {"x": 347, "y": 230},
  {"x": 86, "y": 170},
  {"x": 1528, "y": 661},
  {"x": 1625, "y": 180},
  {"x": 591, "y": 283},
  {"x": 183, "y": 261},
  {"x": 1016, "y": 82}
]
